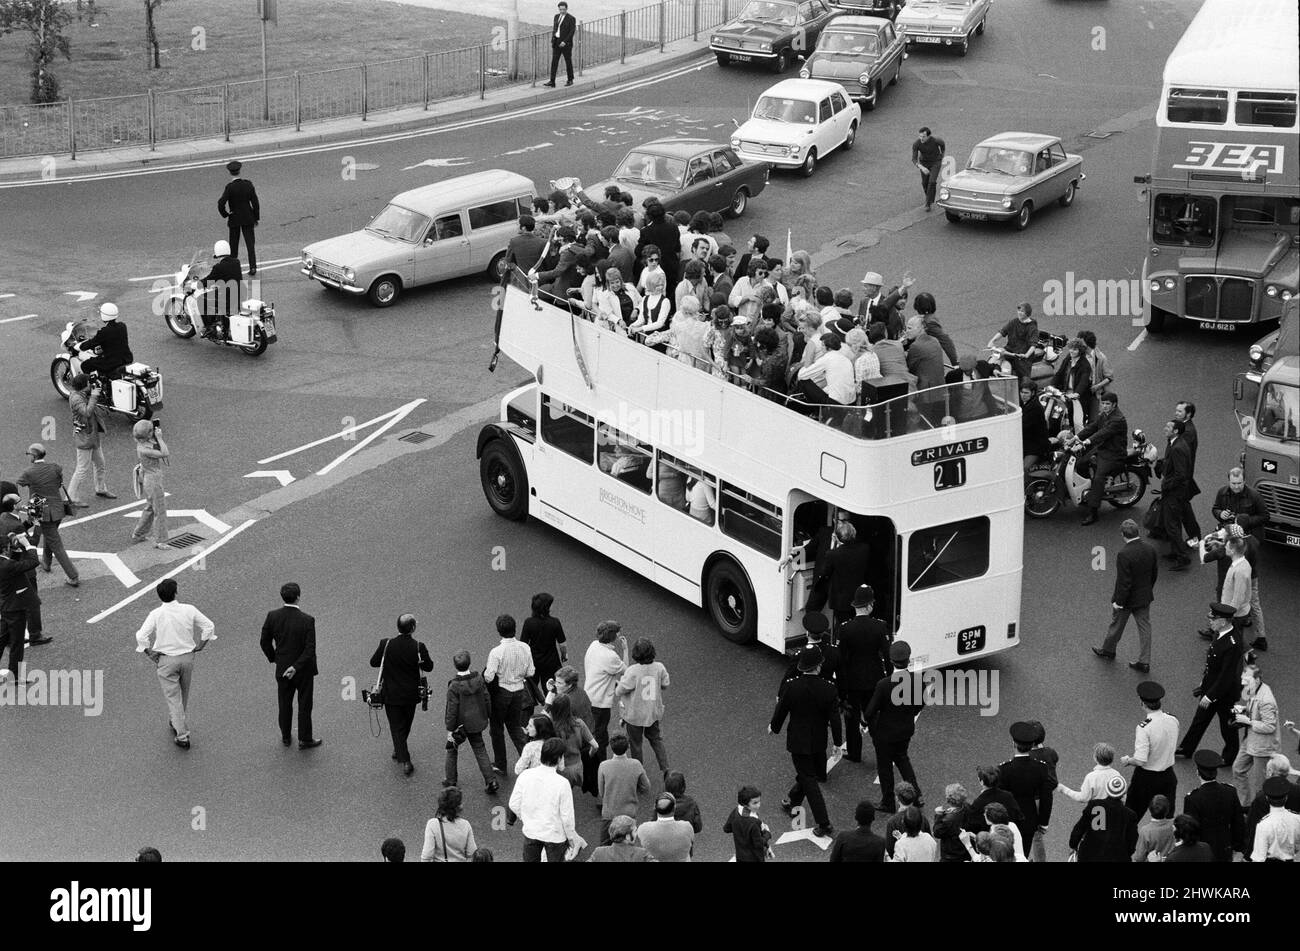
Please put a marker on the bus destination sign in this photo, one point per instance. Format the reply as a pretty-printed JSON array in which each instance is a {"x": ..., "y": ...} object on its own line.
[{"x": 950, "y": 450}]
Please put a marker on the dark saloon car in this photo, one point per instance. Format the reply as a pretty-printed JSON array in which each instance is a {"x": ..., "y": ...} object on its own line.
[
  {"x": 862, "y": 54},
  {"x": 688, "y": 175},
  {"x": 869, "y": 8},
  {"x": 772, "y": 32}
]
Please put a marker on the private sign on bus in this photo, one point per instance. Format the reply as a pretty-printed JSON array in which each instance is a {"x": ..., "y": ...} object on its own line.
[{"x": 737, "y": 517}]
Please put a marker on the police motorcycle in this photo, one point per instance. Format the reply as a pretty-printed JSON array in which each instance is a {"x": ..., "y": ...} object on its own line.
[
  {"x": 252, "y": 329},
  {"x": 1049, "y": 485},
  {"x": 135, "y": 390}
]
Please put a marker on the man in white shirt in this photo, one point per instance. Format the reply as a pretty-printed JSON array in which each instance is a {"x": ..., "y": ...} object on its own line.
[
  {"x": 508, "y": 664},
  {"x": 543, "y": 800},
  {"x": 604, "y": 663},
  {"x": 1277, "y": 837},
  {"x": 172, "y": 627},
  {"x": 830, "y": 377}
]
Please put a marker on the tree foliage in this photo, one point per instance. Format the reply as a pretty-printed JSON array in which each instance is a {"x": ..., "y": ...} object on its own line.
[{"x": 46, "y": 23}]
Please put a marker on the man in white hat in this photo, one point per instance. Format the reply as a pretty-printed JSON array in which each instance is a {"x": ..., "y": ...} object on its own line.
[
  {"x": 878, "y": 306},
  {"x": 221, "y": 289},
  {"x": 111, "y": 341}
]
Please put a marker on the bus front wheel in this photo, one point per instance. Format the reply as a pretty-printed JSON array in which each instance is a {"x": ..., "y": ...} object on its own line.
[
  {"x": 731, "y": 602},
  {"x": 505, "y": 482}
]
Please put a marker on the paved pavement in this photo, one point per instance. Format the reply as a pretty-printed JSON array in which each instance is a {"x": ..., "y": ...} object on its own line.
[{"x": 401, "y": 525}]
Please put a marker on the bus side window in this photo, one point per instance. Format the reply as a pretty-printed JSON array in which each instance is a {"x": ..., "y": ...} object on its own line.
[
  {"x": 686, "y": 488},
  {"x": 944, "y": 554},
  {"x": 750, "y": 520},
  {"x": 623, "y": 457},
  {"x": 568, "y": 429}
]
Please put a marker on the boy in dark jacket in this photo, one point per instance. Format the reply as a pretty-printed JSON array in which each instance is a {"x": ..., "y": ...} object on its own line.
[
  {"x": 752, "y": 836},
  {"x": 1108, "y": 830},
  {"x": 687, "y": 809},
  {"x": 467, "y": 718}
]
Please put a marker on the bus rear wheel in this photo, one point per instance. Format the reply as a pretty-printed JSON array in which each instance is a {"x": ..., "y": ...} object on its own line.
[
  {"x": 731, "y": 602},
  {"x": 505, "y": 482}
]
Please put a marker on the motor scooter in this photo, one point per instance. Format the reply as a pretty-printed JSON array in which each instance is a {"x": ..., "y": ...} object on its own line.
[
  {"x": 1048, "y": 486},
  {"x": 135, "y": 391}
]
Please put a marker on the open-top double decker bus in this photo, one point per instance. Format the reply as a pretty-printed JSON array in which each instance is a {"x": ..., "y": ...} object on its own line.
[{"x": 719, "y": 494}]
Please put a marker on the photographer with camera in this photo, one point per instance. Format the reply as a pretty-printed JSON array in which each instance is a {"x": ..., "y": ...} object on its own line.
[
  {"x": 16, "y": 518},
  {"x": 17, "y": 567},
  {"x": 468, "y": 713},
  {"x": 88, "y": 428},
  {"x": 401, "y": 687},
  {"x": 44, "y": 481},
  {"x": 153, "y": 456}
]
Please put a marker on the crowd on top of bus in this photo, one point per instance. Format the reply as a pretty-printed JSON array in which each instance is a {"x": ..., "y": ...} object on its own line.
[{"x": 679, "y": 284}]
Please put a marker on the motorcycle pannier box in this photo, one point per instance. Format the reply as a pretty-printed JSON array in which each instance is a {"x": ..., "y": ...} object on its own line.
[
  {"x": 124, "y": 395},
  {"x": 241, "y": 329}
]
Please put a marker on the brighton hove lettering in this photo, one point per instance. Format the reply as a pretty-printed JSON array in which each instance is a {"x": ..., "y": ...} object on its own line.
[
  {"x": 103, "y": 905},
  {"x": 950, "y": 450},
  {"x": 56, "y": 688},
  {"x": 1087, "y": 298},
  {"x": 624, "y": 506},
  {"x": 951, "y": 687}
]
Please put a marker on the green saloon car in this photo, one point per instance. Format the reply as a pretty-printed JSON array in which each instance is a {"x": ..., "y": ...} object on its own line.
[{"x": 772, "y": 32}]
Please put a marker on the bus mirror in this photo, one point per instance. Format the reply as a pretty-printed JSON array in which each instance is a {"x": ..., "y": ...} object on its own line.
[{"x": 1238, "y": 391}]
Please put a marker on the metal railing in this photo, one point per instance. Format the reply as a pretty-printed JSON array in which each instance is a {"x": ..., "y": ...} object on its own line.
[
  {"x": 350, "y": 91},
  {"x": 916, "y": 411}
]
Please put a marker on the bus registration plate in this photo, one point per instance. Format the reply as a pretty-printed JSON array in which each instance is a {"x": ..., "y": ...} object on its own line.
[
  {"x": 1217, "y": 325},
  {"x": 949, "y": 474},
  {"x": 970, "y": 640}
]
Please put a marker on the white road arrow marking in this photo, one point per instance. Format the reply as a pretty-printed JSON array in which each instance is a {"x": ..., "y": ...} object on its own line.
[
  {"x": 198, "y": 515},
  {"x": 69, "y": 522},
  {"x": 822, "y": 842},
  {"x": 81, "y": 296},
  {"x": 530, "y": 148},
  {"x": 392, "y": 419},
  {"x": 439, "y": 163},
  {"x": 113, "y": 563},
  {"x": 135, "y": 596},
  {"x": 10, "y": 320},
  {"x": 283, "y": 476}
]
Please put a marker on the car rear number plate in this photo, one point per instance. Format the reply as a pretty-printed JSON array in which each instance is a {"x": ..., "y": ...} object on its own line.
[
  {"x": 1216, "y": 325},
  {"x": 741, "y": 58},
  {"x": 929, "y": 39},
  {"x": 1293, "y": 540}
]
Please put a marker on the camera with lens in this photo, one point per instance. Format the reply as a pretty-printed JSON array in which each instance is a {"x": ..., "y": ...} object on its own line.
[
  {"x": 423, "y": 690},
  {"x": 372, "y": 698},
  {"x": 35, "y": 509}
]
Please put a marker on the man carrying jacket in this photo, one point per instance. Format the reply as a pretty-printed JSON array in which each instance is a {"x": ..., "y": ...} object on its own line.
[
  {"x": 1136, "y": 569},
  {"x": 1107, "y": 439},
  {"x": 468, "y": 712}
]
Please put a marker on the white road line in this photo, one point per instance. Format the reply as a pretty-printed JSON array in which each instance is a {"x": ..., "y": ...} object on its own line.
[
  {"x": 114, "y": 564},
  {"x": 10, "y": 320},
  {"x": 197, "y": 515},
  {"x": 81, "y": 296},
  {"x": 274, "y": 262},
  {"x": 7, "y": 296},
  {"x": 380, "y": 140},
  {"x": 283, "y": 476},
  {"x": 131, "y": 598},
  {"x": 398, "y": 415},
  {"x": 69, "y": 522},
  {"x": 338, "y": 435},
  {"x": 1137, "y": 341}
]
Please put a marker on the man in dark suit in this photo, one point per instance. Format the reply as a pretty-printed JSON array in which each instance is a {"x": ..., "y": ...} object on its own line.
[
  {"x": 840, "y": 572},
  {"x": 400, "y": 660},
  {"x": 812, "y": 705},
  {"x": 1185, "y": 413},
  {"x": 1177, "y": 488},
  {"x": 525, "y": 248},
  {"x": 925, "y": 362},
  {"x": 238, "y": 205},
  {"x": 890, "y": 717},
  {"x": 18, "y": 561},
  {"x": 1107, "y": 439},
  {"x": 878, "y": 305},
  {"x": 1136, "y": 567},
  {"x": 1220, "y": 685},
  {"x": 11, "y": 524},
  {"x": 289, "y": 642},
  {"x": 1031, "y": 782},
  {"x": 1214, "y": 805},
  {"x": 563, "y": 27},
  {"x": 864, "y": 651}
]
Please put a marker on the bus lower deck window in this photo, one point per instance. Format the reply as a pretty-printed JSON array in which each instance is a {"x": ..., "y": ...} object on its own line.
[{"x": 750, "y": 520}]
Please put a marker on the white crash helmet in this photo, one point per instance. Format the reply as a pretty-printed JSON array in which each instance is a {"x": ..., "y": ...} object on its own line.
[
  {"x": 107, "y": 312},
  {"x": 221, "y": 249}
]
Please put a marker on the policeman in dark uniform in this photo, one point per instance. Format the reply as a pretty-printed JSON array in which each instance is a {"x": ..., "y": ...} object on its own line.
[
  {"x": 812, "y": 706},
  {"x": 239, "y": 206},
  {"x": 817, "y": 628},
  {"x": 864, "y": 652},
  {"x": 1220, "y": 685},
  {"x": 1214, "y": 805},
  {"x": 1031, "y": 782},
  {"x": 1153, "y": 752}
]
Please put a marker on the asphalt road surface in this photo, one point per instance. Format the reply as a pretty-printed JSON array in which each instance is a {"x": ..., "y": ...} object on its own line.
[{"x": 398, "y": 526}]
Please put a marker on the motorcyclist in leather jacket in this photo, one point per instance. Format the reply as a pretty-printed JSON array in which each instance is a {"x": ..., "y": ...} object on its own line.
[
  {"x": 114, "y": 348},
  {"x": 221, "y": 289}
]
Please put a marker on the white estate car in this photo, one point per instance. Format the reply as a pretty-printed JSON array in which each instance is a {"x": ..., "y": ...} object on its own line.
[{"x": 797, "y": 122}]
